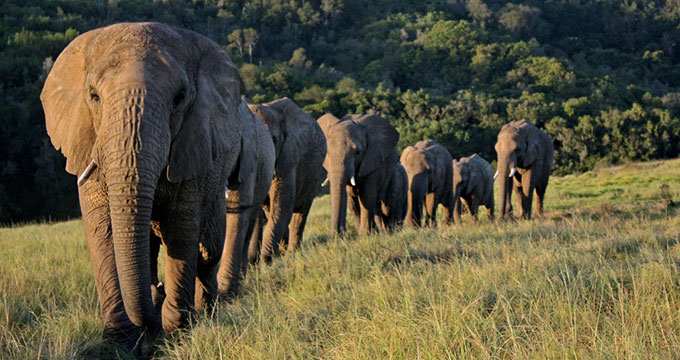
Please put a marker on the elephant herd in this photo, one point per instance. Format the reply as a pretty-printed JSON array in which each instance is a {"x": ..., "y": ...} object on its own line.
[{"x": 150, "y": 118}]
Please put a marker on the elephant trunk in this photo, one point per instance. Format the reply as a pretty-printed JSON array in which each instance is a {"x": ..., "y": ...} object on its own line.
[
  {"x": 338, "y": 202},
  {"x": 417, "y": 187},
  {"x": 506, "y": 170},
  {"x": 132, "y": 149}
]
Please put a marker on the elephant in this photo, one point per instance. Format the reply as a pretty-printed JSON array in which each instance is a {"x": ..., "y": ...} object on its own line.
[
  {"x": 360, "y": 161},
  {"x": 244, "y": 203},
  {"x": 473, "y": 184},
  {"x": 300, "y": 150},
  {"x": 395, "y": 205},
  {"x": 243, "y": 213},
  {"x": 429, "y": 167},
  {"x": 147, "y": 118},
  {"x": 525, "y": 154}
]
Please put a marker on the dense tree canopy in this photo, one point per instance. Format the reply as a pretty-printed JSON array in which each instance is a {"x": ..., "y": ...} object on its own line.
[{"x": 600, "y": 76}]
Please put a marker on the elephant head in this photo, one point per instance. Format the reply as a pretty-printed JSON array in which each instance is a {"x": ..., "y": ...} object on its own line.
[
  {"x": 358, "y": 145},
  {"x": 288, "y": 126},
  {"x": 517, "y": 147},
  {"x": 464, "y": 179},
  {"x": 128, "y": 104}
]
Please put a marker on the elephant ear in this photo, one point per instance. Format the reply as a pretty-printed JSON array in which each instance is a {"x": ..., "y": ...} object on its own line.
[
  {"x": 532, "y": 152},
  {"x": 326, "y": 122},
  {"x": 67, "y": 117},
  {"x": 381, "y": 139},
  {"x": 474, "y": 178},
  {"x": 297, "y": 132},
  {"x": 437, "y": 170},
  {"x": 214, "y": 113}
]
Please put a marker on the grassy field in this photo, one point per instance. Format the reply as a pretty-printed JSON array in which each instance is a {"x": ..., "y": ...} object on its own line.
[{"x": 598, "y": 277}]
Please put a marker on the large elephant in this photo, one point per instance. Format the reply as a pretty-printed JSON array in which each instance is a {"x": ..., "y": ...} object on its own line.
[
  {"x": 361, "y": 157},
  {"x": 525, "y": 154},
  {"x": 430, "y": 179},
  {"x": 244, "y": 203},
  {"x": 473, "y": 184},
  {"x": 146, "y": 115},
  {"x": 300, "y": 150}
]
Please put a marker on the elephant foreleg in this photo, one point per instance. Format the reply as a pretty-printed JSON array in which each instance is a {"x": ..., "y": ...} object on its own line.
[
  {"x": 297, "y": 228},
  {"x": 254, "y": 246},
  {"x": 210, "y": 251},
  {"x": 355, "y": 208},
  {"x": 528, "y": 183},
  {"x": 517, "y": 186},
  {"x": 456, "y": 211},
  {"x": 282, "y": 198},
  {"x": 95, "y": 209},
  {"x": 367, "y": 201},
  {"x": 181, "y": 233},
  {"x": 238, "y": 222},
  {"x": 431, "y": 209}
]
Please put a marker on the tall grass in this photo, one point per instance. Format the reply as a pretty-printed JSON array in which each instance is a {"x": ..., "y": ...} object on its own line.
[{"x": 597, "y": 277}]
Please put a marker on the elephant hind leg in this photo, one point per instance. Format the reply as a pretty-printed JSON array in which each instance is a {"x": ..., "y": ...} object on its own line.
[{"x": 540, "y": 196}]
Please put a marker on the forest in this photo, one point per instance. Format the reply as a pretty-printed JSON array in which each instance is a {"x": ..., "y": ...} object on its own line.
[{"x": 599, "y": 76}]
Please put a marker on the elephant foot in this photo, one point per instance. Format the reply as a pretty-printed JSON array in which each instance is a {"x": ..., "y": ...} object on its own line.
[
  {"x": 227, "y": 297},
  {"x": 131, "y": 340}
]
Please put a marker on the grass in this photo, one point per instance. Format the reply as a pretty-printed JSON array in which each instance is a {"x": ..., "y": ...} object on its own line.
[{"x": 597, "y": 277}]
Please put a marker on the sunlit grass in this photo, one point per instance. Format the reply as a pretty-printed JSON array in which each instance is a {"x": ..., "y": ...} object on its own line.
[{"x": 597, "y": 277}]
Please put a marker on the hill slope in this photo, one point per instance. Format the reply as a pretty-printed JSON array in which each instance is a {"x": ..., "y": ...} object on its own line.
[{"x": 598, "y": 277}]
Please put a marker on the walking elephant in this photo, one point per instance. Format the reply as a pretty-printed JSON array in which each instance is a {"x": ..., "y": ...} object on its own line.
[
  {"x": 244, "y": 204},
  {"x": 300, "y": 150},
  {"x": 361, "y": 157},
  {"x": 430, "y": 179},
  {"x": 146, "y": 115},
  {"x": 395, "y": 204},
  {"x": 525, "y": 155},
  {"x": 473, "y": 184}
]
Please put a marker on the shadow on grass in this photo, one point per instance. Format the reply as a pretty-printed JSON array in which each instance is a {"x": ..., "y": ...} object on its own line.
[
  {"x": 648, "y": 211},
  {"x": 431, "y": 257}
]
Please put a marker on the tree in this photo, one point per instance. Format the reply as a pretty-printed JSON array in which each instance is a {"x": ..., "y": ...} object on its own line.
[
  {"x": 523, "y": 20},
  {"x": 236, "y": 38},
  {"x": 478, "y": 11},
  {"x": 250, "y": 38}
]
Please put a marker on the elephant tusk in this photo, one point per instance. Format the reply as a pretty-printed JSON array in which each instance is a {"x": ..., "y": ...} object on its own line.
[
  {"x": 86, "y": 173},
  {"x": 352, "y": 181},
  {"x": 325, "y": 182},
  {"x": 512, "y": 172},
  {"x": 226, "y": 193},
  {"x": 495, "y": 175}
]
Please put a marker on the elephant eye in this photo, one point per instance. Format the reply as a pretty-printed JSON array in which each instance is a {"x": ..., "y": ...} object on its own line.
[
  {"x": 178, "y": 99},
  {"x": 94, "y": 96}
]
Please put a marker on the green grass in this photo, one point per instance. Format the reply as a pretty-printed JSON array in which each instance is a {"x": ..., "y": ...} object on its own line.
[{"x": 598, "y": 277}]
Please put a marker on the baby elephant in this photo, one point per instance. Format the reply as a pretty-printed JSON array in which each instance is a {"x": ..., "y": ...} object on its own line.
[
  {"x": 430, "y": 178},
  {"x": 473, "y": 183}
]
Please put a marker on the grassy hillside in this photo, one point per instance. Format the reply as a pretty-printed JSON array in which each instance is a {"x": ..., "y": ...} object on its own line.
[{"x": 598, "y": 277}]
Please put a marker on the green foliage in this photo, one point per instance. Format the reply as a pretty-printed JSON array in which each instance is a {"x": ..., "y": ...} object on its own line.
[{"x": 601, "y": 77}]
